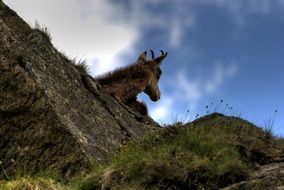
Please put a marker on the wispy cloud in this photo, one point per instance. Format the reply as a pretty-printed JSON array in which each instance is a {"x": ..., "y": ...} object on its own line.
[
  {"x": 241, "y": 9},
  {"x": 220, "y": 74},
  {"x": 190, "y": 92},
  {"x": 156, "y": 15}
]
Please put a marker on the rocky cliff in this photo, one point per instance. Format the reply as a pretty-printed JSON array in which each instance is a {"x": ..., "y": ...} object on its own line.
[{"x": 49, "y": 120}]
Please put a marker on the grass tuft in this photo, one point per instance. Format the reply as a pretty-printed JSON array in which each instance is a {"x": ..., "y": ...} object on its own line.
[
  {"x": 43, "y": 29},
  {"x": 28, "y": 183},
  {"x": 81, "y": 65}
]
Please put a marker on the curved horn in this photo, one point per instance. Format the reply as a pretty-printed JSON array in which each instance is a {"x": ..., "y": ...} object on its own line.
[
  {"x": 152, "y": 53},
  {"x": 161, "y": 57}
]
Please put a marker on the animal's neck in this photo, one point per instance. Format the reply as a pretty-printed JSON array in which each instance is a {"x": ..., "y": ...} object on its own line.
[
  {"x": 125, "y": 84},
  {"x": 130, "y": 73}
]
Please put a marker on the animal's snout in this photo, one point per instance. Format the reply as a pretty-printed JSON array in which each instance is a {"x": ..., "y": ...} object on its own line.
[
  {"x": 155, "y": 99},
  {"x": 153, "y": 93},
  {"x": 156, "y": 96}
]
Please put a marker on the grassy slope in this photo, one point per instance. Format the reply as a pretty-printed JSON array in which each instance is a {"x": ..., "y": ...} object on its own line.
[{"x": 211, "y": 152}]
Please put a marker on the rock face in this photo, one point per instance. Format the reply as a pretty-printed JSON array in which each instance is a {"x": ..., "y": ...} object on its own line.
[
  {"x": 269, "y": 176},
  {"x": 49, "y": 120}
]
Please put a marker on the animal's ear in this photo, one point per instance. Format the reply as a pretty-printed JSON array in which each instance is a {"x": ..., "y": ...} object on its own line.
[
  {"x": 142, "y": 58},
  {"x": 158, "y": 60}
]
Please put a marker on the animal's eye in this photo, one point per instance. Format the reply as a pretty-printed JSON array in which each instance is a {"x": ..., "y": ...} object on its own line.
[{"x": 158, "y": 73}]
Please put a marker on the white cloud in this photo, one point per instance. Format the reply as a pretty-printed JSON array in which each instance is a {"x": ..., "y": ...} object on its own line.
[
  {"x": 162, "y": 109},
  {"x": 79, "y": 29},
  {"x": 175, "y": 34},
  {"x": 173, "y": 22},
  {"x": 187, "y": 89},
  {"x": 220, "y": 74}
]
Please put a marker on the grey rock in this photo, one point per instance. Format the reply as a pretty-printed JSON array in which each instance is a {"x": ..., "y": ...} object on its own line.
[{"x": 267, "y": 177}]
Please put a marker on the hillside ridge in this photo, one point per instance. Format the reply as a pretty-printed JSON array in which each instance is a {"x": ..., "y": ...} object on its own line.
[{"x": 212, "y": 152}]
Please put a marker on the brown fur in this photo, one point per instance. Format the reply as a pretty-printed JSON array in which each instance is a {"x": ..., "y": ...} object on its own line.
[
  {"x": 138, "y": 106},
  {"x": 126, "y": 83}
]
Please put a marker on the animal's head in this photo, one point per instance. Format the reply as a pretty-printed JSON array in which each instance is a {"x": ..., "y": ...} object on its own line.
[{"x": 153, "y": 65}]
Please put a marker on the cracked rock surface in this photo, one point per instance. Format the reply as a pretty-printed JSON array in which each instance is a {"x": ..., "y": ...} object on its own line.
[
  {"x": 49, "y": 119},
  {"x": 268, "y": 177}
]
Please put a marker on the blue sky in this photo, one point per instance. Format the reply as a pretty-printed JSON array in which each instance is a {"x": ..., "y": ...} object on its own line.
[{"x": 229, "y": 50}]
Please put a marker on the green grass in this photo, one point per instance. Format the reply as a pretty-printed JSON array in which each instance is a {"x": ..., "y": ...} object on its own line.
[
  {"x": 29, "y": 183},
  {"x": 211, "y": 152},
  {"x": 183, "y": 156}
]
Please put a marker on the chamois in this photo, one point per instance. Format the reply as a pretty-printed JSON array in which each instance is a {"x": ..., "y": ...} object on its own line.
[{"x": 125, "y": 84}]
